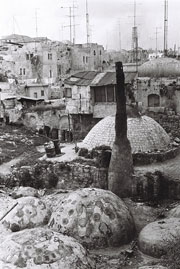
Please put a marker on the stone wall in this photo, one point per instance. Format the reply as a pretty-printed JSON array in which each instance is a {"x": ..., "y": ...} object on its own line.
[
  {"x": 102, "y": 110},
  {"x": 149, "y": 186},
  {"x": 60, "y": 175}
]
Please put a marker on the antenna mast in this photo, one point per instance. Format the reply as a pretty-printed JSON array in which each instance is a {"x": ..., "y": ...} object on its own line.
[
  {"x": 165, "y": 27},
  {"x": 135, "y": 39},
  {"x": 119, "y": 30},
  {"x": 13, "y": 25},
  {"x": 74, "y": 25},
  {"x": 87, "y": 22},
  {"x": 36, "y": 28}
]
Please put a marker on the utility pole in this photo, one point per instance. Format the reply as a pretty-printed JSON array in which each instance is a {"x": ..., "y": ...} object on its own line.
[
  {"x": 165, "y": 27},
  {"x": 87, "y": 22}
]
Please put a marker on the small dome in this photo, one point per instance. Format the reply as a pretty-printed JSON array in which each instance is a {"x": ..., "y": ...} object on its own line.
[
  {"x": 42, "y": 248},
  {"x": 160, "y": 67},
  {"x": 144, "y": 134},
  {"x": 96, "y": 218}
]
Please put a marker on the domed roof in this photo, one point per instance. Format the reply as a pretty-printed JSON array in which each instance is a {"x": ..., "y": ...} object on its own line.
[
  {"x": 144, "y": 134},
  {"x": 160, "y": 67}
]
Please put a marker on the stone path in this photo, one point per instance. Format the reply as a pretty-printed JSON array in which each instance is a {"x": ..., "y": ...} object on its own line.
[{"x": 68, "y": 153}]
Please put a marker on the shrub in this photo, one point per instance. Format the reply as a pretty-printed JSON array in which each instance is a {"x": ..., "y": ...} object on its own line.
[{"x": 83, "y": 152}]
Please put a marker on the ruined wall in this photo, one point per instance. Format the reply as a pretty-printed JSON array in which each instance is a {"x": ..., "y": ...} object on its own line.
[
  {"x": 38, "y": 119},
  {"x": 171, "y": 123},
  {"x": 82, "y": 124},
  {"x": 146, "y": 186},
  {"x": 167, "y": 89}
]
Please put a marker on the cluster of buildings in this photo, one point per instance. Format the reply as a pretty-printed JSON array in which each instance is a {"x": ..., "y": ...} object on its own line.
[{"x": 38, "y": 75}]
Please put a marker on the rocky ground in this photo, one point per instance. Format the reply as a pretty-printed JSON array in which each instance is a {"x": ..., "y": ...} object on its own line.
[{"x": 19, "y": 143}]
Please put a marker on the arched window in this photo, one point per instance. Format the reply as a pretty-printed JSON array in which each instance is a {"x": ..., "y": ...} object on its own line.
[{"x": 153, "y": 100}]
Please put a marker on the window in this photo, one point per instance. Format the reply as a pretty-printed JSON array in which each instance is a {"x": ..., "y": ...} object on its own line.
[
  {"x": 153, "y": 100},
  {"x": 20, "y": 71},
  {"x": 68, "y": 92},
  {"x": 99, "y": 94},
  {"x": 83, "y": 59},
  {"x": 42, "y": 92},
  {"x": 49, "y": 56},
  {"x": 27, "y": 57},
  {"x": 94, "y": 53},
  {"x": 24, "y": 71},
  {"x": 110, "y": 94},
  {"x": 50, "y": 73},
  {"x": 100, "y": 52},
  {"x": 35, "y": 94},
  {"x": 86, "y": 59}
]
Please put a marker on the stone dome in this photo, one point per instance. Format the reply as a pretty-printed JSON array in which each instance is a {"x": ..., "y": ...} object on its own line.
[
  {"x": 29, "y": 212},
  {"x": 42, "y": 248},
  {"x": 96, "y": 218},
  {"x": 160, "y": 67},
  {"x": 144, "y": 134}
]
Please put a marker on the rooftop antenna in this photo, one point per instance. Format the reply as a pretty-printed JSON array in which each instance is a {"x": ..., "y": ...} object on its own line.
[
  {"x": 135, "y": 39},
  {"x": 36, "y": 25},
  {"x": 107, "y": 33},
  {"x": 87, "y": 22},
  {"x": 119, "y": 31},
  {"x": 165, "y": 27},
  {"x": 74, "y": 24},
  {"x": 157, "y": 39},
  {"x": 71, "y": 25},
  {"x": 13, "y": 25}
]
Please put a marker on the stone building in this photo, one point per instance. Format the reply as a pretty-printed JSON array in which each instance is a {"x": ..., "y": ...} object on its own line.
[
  {"x": 37, "y": 91},
  {"x": 103, "y": 92},
  {"x": 90, "y": 96},
  {"x": 158, "y": 85},
  {"x": 78, "y": 100},
  {"x": 34, "y": 59},
  {"x": 87, "y": 57}
]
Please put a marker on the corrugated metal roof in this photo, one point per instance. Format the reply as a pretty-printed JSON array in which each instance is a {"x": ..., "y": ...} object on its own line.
[
  {"x": 94, "y": 78},
  {"x": 109, "y": 78},
  {"x": 83, "y": 78}
]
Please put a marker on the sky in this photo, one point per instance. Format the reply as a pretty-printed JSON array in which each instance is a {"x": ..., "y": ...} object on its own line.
[{"x": 110, "y": 21}]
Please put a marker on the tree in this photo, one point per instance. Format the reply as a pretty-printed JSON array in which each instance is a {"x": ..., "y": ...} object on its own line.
[{"x": 121, "y": 163}]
